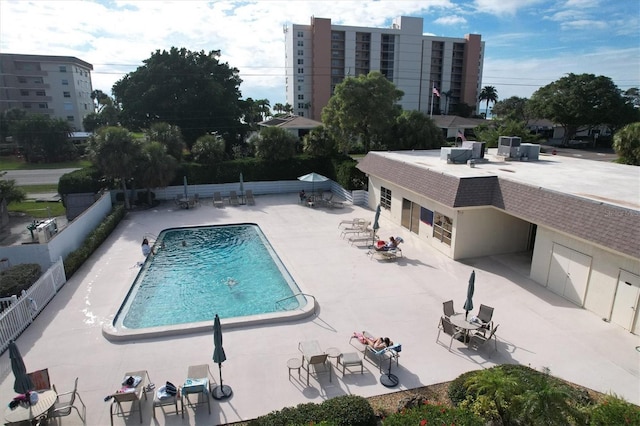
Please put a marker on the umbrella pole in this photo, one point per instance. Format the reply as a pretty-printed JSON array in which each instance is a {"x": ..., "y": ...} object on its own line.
[{"x": 222, "y": 391}]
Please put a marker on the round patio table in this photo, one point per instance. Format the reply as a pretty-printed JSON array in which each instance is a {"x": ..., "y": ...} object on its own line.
[{"x": 25, "y": 413}]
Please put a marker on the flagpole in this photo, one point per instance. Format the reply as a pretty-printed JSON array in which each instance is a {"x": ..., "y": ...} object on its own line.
[{"x": 431, "y": 109}]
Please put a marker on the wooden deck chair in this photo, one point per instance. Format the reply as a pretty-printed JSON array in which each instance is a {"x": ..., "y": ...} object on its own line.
[{"x": 40, "y": 379}]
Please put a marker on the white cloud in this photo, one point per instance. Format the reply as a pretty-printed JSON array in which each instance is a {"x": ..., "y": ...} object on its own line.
[
  {"x": 451, "y": 20},
  {"x": 503, "y": 7}
]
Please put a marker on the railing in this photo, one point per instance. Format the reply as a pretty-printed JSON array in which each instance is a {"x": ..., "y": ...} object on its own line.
[
  {"x": 19, "y": 311},
  {"x": 296, "y": 295}
]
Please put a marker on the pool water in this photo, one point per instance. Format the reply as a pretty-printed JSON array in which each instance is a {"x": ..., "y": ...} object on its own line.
[{"x": 231, "y": 270}]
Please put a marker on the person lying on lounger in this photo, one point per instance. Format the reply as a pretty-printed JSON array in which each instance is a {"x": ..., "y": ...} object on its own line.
[{"x": 379, "y": 343}]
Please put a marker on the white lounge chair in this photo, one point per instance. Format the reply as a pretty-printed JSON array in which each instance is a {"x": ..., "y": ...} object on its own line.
[{"x": 217, "y": 200}]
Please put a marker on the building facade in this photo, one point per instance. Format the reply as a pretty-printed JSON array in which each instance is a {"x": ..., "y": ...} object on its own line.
[
  {"x": 319, "y": 56},
  {"x": 574, "y": 223},
  {"x": 56, "y": 86}
]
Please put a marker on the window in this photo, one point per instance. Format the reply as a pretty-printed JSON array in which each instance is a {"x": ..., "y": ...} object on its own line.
[
  {"x": 26, "y": 105},
  {"x": 63, "y": 68},
  {"x": 43, "y": 105},
  {"x": 300, "y": 70},
  {"x": 385, "y": 198},
  {"x": 300, "y": 43},
  {"x": 300, "y": 52},
  {"x": 301, "y": 97},
  {"x": 70, "y": 118},
  {"x": 68, "y": 106},
  {"x": 300, "y": 87},
  {"x": 40, "y": 93},
  {"x": 65, "y": 82},
  {"x": 300, "y": 34},
  {"x": 66, "y": 94},
  {"x": 300, "y": 61},
  {"x": 442, "y": 226},
  {"x": 24, "y": 93},
  {"x": 300, "y": 105},
  {"x": 300, "y": 79}
]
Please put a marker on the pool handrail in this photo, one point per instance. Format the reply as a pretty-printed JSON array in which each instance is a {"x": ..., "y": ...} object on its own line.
[{"x": 296, "y": 295}]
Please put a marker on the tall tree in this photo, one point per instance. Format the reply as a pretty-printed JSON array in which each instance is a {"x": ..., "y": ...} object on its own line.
[
  {"x": 578, "y": 102},
  {"x": 513, "y": 108},
  {"x": 275, "y": 143},
  {"x": 44, "y": 139},
  {"x": 116, "y": 153},
  {"x": 319, "y": 142},
  {"x": 8, "y": 119},
  {"x": 488, "y": 94},
  {"x": 209, "y": 149},
  {"x": 414, "y": 130},
  {"x": 362, "y": 110},
  {"x": 169, "y": 136},
  {"x": 191, "y": 90}
]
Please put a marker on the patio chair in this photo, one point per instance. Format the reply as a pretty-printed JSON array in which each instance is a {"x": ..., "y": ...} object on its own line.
[
  {"x": 447, "y": 307},
  {"x": 478, "y": 340},
  {"x": 367, "y": 237},
  {"x": 217, "y": 200},
  {"x": 130, "y": 394},
  {"x": 64, "y": 408},
  {"x": 319, "y": 364},
  {"x": 449, "y": 329},
  {"x": 360, "y": 228},
  {"x": 40, "y": 379},
  {"x": 348, "y": 223},
  {"x": 196, "y": 199},
  {"x": 162, "y": 398},
  {"x": 485, "y": 315},
  {"x": 233, "y": 198},
  {"x": 197, "y": 382},
  {"x": 250, "y": 200}
]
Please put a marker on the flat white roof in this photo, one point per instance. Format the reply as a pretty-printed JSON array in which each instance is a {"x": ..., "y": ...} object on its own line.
[{"x": 610, "y": 183}]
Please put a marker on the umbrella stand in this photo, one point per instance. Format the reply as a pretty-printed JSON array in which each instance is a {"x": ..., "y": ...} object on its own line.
[
  {"x": 222, "y": 391},
  {"x": 389, "y": 380}
]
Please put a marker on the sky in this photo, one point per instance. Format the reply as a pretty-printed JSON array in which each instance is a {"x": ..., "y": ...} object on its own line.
[{"x": 528, "y": 43}]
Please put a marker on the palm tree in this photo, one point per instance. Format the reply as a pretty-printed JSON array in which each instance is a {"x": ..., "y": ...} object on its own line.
[
  {"x": 157, "y": 168},
  {"x": 278, "y": 107},
  {"x": 489, "y": 94},
  {"x": 497, "y": 385}
]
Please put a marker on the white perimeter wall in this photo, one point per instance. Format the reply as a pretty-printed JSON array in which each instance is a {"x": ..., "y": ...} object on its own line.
[{"x": 605, "y": 268}]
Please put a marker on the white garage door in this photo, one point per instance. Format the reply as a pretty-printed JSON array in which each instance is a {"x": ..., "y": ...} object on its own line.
[
  {"x": 569, "y": 273},
  {"x": 625, "y": 303}
]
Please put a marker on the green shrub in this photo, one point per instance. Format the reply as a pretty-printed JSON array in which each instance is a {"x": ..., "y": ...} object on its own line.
[
  {"x": 81, "y": 181},
  {"x": 615, "y": 411},
  {"x": 349, "y": 410},
  {"x": 17, "y": 278},
  {"x": 457, "y": 390},
  {"x": 76, "y": 258},
  {"x": 430, "y": 414}
]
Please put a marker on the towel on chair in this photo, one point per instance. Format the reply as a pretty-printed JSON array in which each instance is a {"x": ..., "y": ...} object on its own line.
[{"x": 361, "y": 338}]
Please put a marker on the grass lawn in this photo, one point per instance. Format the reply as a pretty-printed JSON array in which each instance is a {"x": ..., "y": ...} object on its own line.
[
  {"x": 41, "y": 188},
  {"x": 38, "y": 210},
  {"x": 18, "y": 163}
]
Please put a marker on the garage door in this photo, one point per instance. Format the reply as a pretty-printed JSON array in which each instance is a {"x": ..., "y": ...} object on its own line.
[{"x": 569, "y": 273}]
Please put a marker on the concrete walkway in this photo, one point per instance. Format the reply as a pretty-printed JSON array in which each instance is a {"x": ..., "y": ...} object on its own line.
[{"x": 402, "y": 300}]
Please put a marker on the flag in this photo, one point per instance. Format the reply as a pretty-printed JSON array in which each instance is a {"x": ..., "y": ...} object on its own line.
[
  {"x": 461, "y": 135},
  {"x": 435, "y": 91}
]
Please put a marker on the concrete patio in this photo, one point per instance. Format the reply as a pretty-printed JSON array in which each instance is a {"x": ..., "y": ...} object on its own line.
[{"x": 400, "y": 299}]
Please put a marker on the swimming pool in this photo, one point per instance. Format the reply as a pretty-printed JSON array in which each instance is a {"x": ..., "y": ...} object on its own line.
[{"x": 196, "y": 272}]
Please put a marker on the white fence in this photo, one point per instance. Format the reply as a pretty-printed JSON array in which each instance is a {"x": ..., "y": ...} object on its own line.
[{"x": 18, "y": 312}]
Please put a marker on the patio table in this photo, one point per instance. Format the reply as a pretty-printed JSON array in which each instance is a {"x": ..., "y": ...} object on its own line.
[{"x": 462, "y": 323}]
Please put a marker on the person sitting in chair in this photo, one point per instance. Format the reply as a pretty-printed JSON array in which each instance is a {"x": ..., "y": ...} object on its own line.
[
  {"x": 146, "y": 248},
  {"x": 302, "y": 195},
  {"x": 390, "y": 245}
]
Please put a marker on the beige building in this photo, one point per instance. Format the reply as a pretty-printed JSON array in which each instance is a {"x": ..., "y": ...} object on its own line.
[
  {"x": 57, "y": 86},
  {"x": 575, "y": 222},
  {"x": 320, "y": 55}
]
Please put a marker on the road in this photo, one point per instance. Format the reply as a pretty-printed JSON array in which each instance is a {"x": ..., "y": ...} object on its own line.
[{"x": 36, "y": 177}]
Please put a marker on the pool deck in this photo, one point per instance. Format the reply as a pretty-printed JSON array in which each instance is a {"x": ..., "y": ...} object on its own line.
[{"x": 401, "y": 299}]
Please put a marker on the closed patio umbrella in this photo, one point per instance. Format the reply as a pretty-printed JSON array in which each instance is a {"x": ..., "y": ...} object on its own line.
[
  {"x": 184, "y": 182},
  {"x": 23, "y": 382},
  {"x": 468, "y": 304},
  {"x": 313, "y": 178},
  {"x": 221, "y": 391},
  {"x": 241, "y": 184},
  {"x": 376, "y": 224}
]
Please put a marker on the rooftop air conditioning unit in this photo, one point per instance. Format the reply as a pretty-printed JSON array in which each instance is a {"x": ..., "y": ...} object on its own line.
[
  {"x": 477, "y": 148},
  {"x": 509, "y": 146},
  {"x": 455, "y": 155},
  {"x": 529, "y": 151}
]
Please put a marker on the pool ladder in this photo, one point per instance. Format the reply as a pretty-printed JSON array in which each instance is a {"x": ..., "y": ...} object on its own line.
[{"x": 296, "y": 295}]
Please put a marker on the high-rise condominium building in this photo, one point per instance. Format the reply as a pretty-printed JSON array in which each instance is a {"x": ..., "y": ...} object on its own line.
[
  {"x": 56, "y": 86},
  {"x": 320, "y": 55}
]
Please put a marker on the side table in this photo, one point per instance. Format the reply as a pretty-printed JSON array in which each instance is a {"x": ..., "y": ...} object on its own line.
[
  {"x": 294, "y": 364},
  {"x": 334, "y": 353}
]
